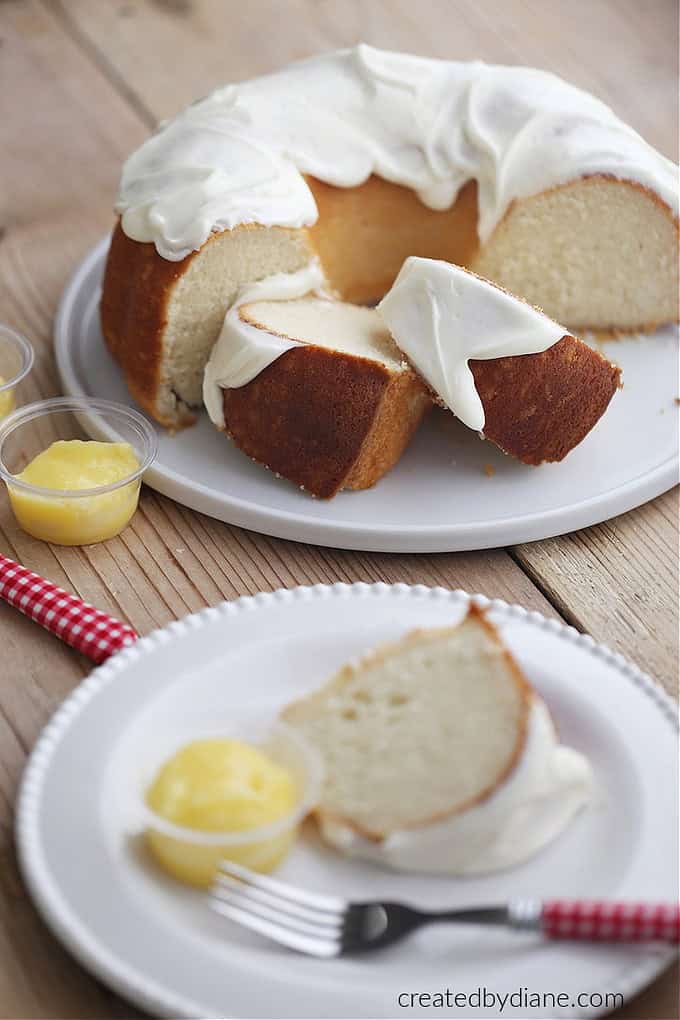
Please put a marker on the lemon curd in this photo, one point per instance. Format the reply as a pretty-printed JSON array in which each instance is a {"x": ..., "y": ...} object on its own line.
[
  {"x": 220, "y": 786},
  {"x": 76, "y": 465},
  {"x": 7, "y": 401}
]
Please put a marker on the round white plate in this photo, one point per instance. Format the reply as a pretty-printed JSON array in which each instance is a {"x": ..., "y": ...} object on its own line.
[
  {"x": 159, "y": 945},
  {"x": 449, "y": 492}
]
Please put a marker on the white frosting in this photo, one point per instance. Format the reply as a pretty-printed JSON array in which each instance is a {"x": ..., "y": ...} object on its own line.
[
  {"x": 442, "y": 316},
  {"x": 549, "y": 784},
  {"x": 439, "y": 315},
  {"x": 238, "y": 155},
  {"x": 242, "y": 351}
]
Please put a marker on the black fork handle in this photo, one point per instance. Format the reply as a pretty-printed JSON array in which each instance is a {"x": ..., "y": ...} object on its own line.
[
  {"x": 522, "y": 915},
  {"x": 478, "y": 915},
  {"x": 369, "y": 925}
]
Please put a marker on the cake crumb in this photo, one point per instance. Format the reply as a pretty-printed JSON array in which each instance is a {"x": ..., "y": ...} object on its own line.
[{"x": 489, "y": 470}]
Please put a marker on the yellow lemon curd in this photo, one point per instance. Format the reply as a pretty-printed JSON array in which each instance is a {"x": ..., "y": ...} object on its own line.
[
  {"x": 6, "y": 400},
  {"x": 71, "y": 465},
  {"x": 220, "y": 786}
]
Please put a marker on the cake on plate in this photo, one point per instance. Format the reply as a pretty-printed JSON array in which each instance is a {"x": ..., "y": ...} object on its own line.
[
  {"x": 314, "y": 389},
  {"x": 328, "y": 394},
  {"x": 439, "y": 755},
  {"x": 360, "y": 158},
  {"x": 502, "y": 367}
]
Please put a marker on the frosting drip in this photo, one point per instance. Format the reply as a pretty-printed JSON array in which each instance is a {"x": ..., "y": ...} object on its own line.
[
  {"x": 239, "y": 155},
  {"x": 242, "y": 351},
  {"x": 441, "y": 316},
  {"x": 533, "y": 805}
]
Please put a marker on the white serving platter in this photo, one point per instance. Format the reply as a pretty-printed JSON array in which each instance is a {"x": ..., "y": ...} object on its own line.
[
  {"x": 159, "y": 945},
  {"x": 449, "y": 491}
]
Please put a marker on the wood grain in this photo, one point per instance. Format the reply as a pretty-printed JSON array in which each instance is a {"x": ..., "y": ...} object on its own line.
[
  {"x": 625, "y": 56},
  {"x": 625, "y": 51},
  {"x": 620, "y": 582},
  {"x": 58, "y": 181},
  {"x": 80, "y": 83}
]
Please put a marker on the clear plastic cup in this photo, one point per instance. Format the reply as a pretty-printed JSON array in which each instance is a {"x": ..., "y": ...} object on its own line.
[
  {"x": 16, "y": 361},
  {"x": 73, "y": 516},
  {"x": 193, "y": 855}
]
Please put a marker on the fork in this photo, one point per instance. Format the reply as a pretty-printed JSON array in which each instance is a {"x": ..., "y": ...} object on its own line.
[{"x": 323, "y": 925}]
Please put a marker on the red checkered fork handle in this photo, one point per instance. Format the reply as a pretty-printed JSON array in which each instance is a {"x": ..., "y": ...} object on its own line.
[
  {"x": 88, "y": 630},
  {"x": 594, "y": 920}
]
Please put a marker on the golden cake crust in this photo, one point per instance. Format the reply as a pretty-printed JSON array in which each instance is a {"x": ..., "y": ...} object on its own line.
[
  {"x": 326, "y": 420},
  {"x": 137, "y": 287},
  {"x": 538, "y": 407},
  {"x": 363, "y": 235}
]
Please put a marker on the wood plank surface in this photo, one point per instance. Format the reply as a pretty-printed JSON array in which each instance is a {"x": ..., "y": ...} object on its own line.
[
  {"x": 623, "y": 51},
  {"x": 80, "y": 83},
  {"x": 620, "y": 582}
]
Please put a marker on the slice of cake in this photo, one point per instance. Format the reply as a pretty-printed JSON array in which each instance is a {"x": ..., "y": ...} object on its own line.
[
  {"x": 318, "y": 391},
  {"x": 314, "y": 389},
  {"x": 499, "y": 364},
  {"x": 439, "y": 755}
]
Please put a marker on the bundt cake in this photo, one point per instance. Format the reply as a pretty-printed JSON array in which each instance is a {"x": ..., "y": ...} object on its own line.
[
  {"x": 360, "y": 159},
  {"x": 314, "y": 389},
  {"x": 439, "y": 756}
]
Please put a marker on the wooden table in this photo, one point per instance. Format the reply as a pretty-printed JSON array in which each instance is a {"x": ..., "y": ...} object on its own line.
[{"x": 83, "y": 81}]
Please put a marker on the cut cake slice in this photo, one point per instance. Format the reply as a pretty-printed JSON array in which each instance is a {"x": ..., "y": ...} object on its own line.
[{"x": 337, "y": 408}]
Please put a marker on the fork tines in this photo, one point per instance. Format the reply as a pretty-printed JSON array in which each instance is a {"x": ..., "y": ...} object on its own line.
[{"x": 309, "y": 922}]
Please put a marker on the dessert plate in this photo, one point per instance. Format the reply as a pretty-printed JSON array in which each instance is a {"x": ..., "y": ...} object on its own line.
[
  {"x": 159, "y": 945},
  {"x": 449, "y": 491}
]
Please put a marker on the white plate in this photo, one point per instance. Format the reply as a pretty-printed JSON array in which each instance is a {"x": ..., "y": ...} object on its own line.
[
  {"x": 439, "y": 498},
  {"x": 160, "y": 946}
]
